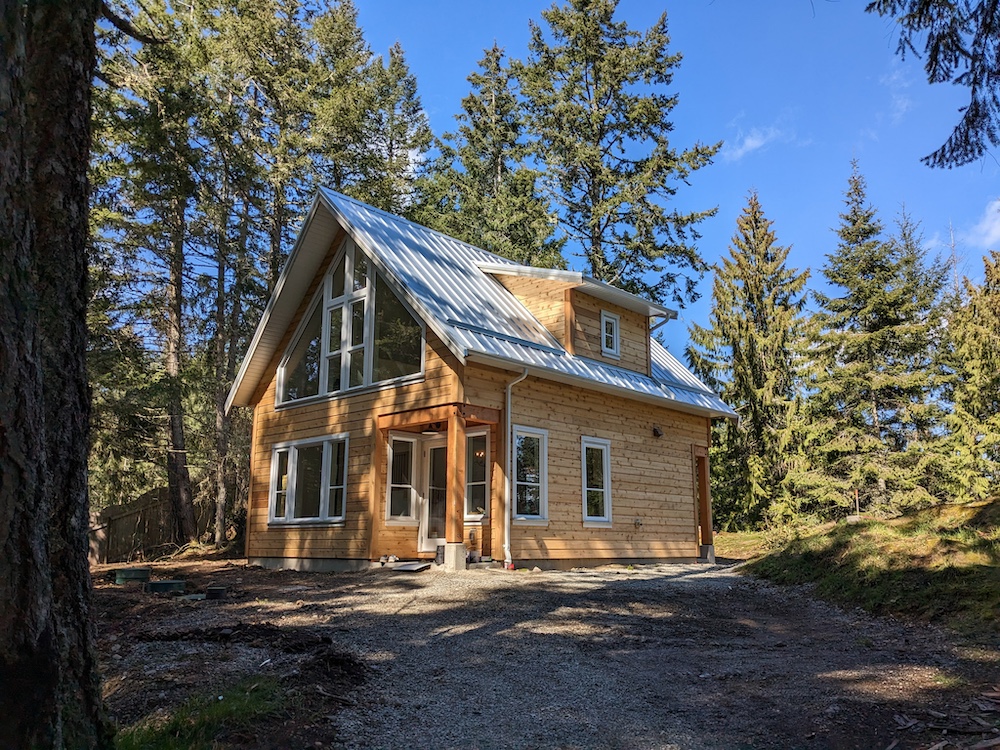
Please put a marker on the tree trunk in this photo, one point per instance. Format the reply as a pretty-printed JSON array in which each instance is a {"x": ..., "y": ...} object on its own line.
[
  {"x": 178, "y": 477},
  {"x": 49, "y": 681},
  {"x": 221, "y": 420}
]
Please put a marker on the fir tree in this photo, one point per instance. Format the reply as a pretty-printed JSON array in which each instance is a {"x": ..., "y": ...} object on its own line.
[
  {"x": 599, "y": 108},
  {"x": 871, "y": 382},
  {"x": 746, "y": 353},
  {"x": 479, "y": 189},
  {"x": 972, "y": 354}
]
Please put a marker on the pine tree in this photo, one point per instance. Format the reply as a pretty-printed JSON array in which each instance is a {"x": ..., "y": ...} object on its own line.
[
  {"x": 746, "y": 353},
  {"x": 871, "y": 382},
  {"x": 599, "y": 108},
  {"x": 479, "y": 189},
  {"x": 972, "y": 463}
]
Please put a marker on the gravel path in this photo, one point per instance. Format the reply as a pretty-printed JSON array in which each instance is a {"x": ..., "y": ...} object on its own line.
[{"x": 665, "y": 656}]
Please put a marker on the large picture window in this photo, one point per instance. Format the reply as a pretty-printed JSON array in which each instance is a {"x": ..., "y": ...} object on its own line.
[
  {"x": 596, "y": 460},
  {"x": 309, "y": 481},
  {"x": 356, "y": 334},
  {"x": 530, "y": 473}
]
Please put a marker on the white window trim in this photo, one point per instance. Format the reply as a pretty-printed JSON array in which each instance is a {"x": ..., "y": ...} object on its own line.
[
  {"x": 605, "y": 447},
  {"x": 325, "y": 296},
  {"x": 293, "y": 446},
  {"x": 616, "y": 351},
  {"x": 416, "y": 450},
  {"x": 478, "y": 517},
  {"x": 542, "y": 519}
]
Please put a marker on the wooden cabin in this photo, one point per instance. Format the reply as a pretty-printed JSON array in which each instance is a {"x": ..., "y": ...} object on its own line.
[{"x": 419, "y": 397}]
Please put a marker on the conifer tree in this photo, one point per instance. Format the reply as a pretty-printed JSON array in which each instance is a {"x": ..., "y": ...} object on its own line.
[
  {"x": 746, "y": 353},
  {"x": 596, "y": 93},
  {"x": 871, "y": 382},
  {"x": 972, "y": 354},
  {"x": 479, "y": 189}
]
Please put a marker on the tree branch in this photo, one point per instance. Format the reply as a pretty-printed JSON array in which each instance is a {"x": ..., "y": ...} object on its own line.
[{"x": 125, "y": 26}]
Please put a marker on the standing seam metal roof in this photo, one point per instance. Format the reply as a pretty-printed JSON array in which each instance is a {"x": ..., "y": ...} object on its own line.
[{"x": 475, "y": 316}]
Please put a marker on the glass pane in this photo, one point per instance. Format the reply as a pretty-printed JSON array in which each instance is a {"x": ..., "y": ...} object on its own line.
[
  {"x": 595, "y": 503},
  {"x": 475, "y": 468},
  {"x": 357, "y": 374},
  {"x": 399, "y": 501},
  {"x": 437, "y": 500},
  {"x": 308, "y": 479},
  {"x": 336, "y": 319},
  {"x": 528, "y": 500},
  {"x": 279, "y": 505},
  {"x": 337, "y": 456},
  {"x": 398, "y": 343},
  {"x": 358, "y": 323},
  {"x": 402, "y": 461},
  {"x": 339, "y": 275},
  {"x": 475, "y": 498},
  {"x": 302, "y": 369},
  {"x": 333, "y": 374},
  {"x": 528, "y": 465},
  {"x": 360, "y": 270},
  {"x": 281, "y": 483},
  {"x": 595, "y": 468},
  {"x": 337, "y": 502}
]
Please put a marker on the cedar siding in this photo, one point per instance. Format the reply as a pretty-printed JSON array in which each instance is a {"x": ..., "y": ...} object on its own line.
[
  {"x": 586, "y": 333},
  {"x": 652, "y": 479}
]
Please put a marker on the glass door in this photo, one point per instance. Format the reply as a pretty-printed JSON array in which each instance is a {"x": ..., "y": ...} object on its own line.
[{"x": 432, "y": 521}]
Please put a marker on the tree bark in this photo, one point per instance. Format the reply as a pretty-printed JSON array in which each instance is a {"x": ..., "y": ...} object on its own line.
[
  {"x": 49, "y": 681},
  {"x": 178, "y": 476}
]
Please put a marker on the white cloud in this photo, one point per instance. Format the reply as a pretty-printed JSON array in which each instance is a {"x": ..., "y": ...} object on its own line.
[
  {"x": 985, "y": 235},
  {"x": 899, "y": 101},
  {"x": 753, "y": 140}
]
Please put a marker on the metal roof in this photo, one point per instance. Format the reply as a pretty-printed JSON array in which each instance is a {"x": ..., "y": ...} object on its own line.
[{"x": 447, "y": 283}]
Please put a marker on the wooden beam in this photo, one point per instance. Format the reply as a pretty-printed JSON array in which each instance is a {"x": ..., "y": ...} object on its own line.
[
  {"x": 480, "y": 414},
  {"x": 415, "y": 417},
  {"x": 455, "y": 522}
]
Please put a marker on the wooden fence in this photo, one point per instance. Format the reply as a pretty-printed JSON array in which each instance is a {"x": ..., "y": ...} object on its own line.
[{"x": 121, "y": 533}]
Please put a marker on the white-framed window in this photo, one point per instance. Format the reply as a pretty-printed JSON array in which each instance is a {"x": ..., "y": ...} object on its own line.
[
  {"x": 401, "y": 493},
  {"x": 611, "y": 345},
  {"x": 531, "y": 448},
  {"x": 309, "y": 481},
  {"x": 477, "y": 476},
  {"x": 596, "y": 469},
  {"x": 356, "y": 333}
]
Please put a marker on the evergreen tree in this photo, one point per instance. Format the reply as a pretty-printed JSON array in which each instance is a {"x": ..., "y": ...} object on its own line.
[
  {"x": 599, "y": 112},
  {"x": 479, "y": 189},
  {"x": 746, "y": 353},
  {"x": 398, "y": 139},
  {"x": 871, "y": 382},
  {"x": 972, "y": 461}
]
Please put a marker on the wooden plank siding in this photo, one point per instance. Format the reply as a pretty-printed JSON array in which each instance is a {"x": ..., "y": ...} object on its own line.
[
  {"x": 653, "y": 493},
  {"x": 543, "y": 298},
  {"x": 633, "y": 331}
]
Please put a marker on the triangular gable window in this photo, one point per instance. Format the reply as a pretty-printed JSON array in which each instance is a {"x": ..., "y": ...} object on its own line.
[{"x": 357, "y": 333}]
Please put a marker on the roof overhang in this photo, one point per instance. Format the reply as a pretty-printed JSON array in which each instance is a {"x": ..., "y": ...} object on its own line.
[{"x": 586, "y": 284}]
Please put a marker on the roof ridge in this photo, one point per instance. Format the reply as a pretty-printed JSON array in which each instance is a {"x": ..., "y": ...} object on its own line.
[{"x": 398, "y": 218}]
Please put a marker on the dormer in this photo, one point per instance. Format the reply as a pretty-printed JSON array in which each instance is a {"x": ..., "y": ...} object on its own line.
[{"x": 589, "y": 318}]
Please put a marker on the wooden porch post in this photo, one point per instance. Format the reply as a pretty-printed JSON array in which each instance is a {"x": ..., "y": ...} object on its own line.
[{"x": 455, "y": 524}]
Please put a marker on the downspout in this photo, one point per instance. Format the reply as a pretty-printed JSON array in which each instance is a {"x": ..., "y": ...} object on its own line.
[{"x": 509, "y": 469}]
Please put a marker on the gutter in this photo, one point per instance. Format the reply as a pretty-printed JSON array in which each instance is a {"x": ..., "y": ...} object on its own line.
[{"x": 508, "y": 562}]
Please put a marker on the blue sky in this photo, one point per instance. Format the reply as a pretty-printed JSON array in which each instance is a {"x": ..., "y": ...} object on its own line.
[{"x": 794, "y": 89}]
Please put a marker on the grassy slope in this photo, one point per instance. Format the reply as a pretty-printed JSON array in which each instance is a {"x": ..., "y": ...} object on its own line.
[{"x": 939, "y": 565}]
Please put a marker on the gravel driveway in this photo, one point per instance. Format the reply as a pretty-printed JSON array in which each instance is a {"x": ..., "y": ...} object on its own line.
[{"x": 665, "y": 656}]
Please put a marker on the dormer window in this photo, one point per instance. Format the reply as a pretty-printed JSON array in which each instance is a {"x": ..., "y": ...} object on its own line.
[
  {"x": 610, "y": 335},
  {"x": 356, "y": 333}
]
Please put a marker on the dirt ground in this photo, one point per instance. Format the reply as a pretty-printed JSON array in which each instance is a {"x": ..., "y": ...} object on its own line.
[{"x": 663, "y": 656}]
